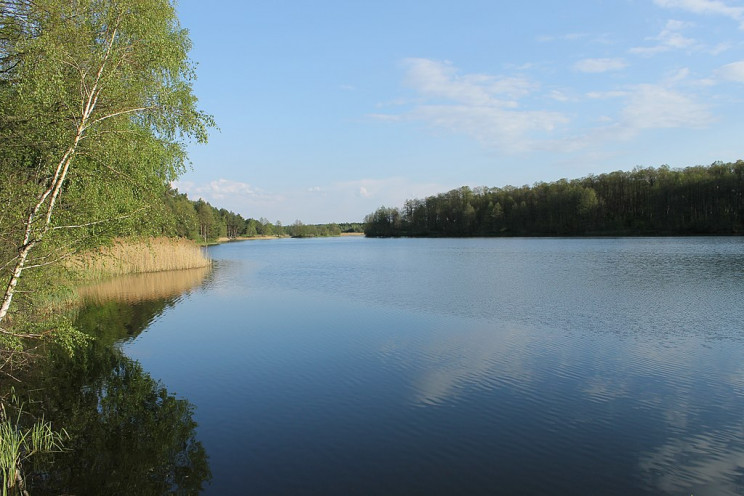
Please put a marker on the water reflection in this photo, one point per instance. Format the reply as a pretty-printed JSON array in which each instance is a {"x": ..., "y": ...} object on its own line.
[
  {"x": 484, "y": 355},
  {"x": 597, "y": 394},
  {"x": 129, "y": 434},
  {"x": 708, "y": 463},
  {"x": 456, "y": 366},
  {"x": 145, "y": 287}
]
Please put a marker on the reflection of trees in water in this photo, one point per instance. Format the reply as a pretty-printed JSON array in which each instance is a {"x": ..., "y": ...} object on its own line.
[
  {"x": 128, "y": 434},
  {"x": 115, "y": 321}
]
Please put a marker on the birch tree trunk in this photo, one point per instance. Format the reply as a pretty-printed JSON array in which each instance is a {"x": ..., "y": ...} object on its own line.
[{"x": 118, "y": 71}]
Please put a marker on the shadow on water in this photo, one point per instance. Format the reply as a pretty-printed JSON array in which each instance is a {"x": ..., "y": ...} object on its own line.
[{"x": 128, "y": 434}]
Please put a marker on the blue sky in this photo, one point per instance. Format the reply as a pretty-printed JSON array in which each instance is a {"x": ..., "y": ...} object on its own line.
[{"x": 329, "y": 109}]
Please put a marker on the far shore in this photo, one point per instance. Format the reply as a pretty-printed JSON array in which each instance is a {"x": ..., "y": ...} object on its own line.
[
  {"x": 245, "y": 238},
  {"x": 248, "y": 238}
]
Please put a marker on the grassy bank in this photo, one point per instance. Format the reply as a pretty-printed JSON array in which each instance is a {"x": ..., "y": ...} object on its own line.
[{"x": 138, "y": 255}]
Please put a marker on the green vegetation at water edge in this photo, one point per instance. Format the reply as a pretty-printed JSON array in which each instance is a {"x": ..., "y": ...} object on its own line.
[
  {"x": 97, "y": 111},
  {"x": 663, "y": 201}
]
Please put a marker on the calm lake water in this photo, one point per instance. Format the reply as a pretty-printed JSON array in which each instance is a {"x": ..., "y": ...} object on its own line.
[{"x": 457, "y": 366}]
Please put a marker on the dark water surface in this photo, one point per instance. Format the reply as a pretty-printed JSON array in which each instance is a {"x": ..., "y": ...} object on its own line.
[{"x": 462, "y": 366}]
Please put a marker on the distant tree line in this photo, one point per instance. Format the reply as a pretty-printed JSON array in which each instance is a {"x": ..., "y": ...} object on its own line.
[
  {"x": 300, "y": 230},
  {"x": 644, "y": 201},
  {"x": 200, "y": 221}
]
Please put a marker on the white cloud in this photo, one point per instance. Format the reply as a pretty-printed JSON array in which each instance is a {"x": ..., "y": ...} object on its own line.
[
  {"x": 386, "y": 117},
  {"x": 600, "y": 65},
  {"x": 603, "y": 95},
  {"x": 707, "y": 7},
  {"x": 441, "y": 80},
  {"x": 221, "y": 188},
  {"x": 509, "y": 130},
  {"x": 513, "y": 115},
  {"x": 679, "y": 75},
  {"x": 669, "y": 39},
  {"x": 226, "y": 193},
  {"x": 732, "y": 72},
  {"x": 654, "y": 107},
  {"x": 484, "y": 106},
  {"x": 641, "y": 108},
  {"x": 559, "y": 96},
  {"x": 720, "y": 48}
]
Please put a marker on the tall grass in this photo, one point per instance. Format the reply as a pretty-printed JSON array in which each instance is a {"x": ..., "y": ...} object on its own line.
[
  {"x": 136, "y": 256},
  {"x": 18, "y": 444}
]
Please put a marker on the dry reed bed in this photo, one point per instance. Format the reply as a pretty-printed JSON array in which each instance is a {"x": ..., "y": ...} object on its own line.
[{"x": 136, "y": 256}]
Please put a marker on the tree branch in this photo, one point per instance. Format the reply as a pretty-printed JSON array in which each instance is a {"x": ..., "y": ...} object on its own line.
[
  {"x": 121, "y": 112},
  {"x": 97, "y": 222}
]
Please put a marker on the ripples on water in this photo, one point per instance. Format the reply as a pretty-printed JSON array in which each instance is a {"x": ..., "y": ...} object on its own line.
[{"x": 475, "y": 366}]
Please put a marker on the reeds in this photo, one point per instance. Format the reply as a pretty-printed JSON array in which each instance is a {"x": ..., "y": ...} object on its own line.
[
  {"x": 136, "y": 256},
  {"x": 18, "y": 444}
]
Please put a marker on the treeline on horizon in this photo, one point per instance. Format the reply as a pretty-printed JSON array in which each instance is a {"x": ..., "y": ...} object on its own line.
[
  {"x": 645, "y": 201},
  {"x": 202, "y": 222}
]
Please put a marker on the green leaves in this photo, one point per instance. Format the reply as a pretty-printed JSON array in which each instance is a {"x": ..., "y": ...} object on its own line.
[
  {"x": 18, "y": 444},
  {"x": 97, "y": 107}
]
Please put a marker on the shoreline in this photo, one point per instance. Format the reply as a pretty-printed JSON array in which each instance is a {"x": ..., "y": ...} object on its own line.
[{"x": 222, "y": 240}]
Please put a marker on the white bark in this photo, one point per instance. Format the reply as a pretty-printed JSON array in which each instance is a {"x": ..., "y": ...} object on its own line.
[{"x": 39, "y": 219}]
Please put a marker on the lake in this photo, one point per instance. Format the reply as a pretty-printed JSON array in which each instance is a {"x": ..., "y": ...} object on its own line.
[{"x": 349, "y": 365}]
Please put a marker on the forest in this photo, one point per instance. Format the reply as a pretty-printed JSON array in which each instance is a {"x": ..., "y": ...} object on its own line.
[
  {"x": 695, "y": 200},
  {"x": 201, "y": 222}
]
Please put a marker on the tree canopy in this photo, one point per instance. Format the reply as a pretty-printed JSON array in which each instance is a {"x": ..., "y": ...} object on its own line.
[
  {"x": 97, "y": 107},
  {"x": 644, "y": 201}
]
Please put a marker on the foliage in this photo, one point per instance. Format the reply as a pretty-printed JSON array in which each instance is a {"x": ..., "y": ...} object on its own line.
[
  {"x": 694, "y": 200},
  {"x": 97, "y": 107},
  {"x": 96, "y": 110},
  {"x": 18, "y": 444},
  {"x": 57, "y": 330},
  {"x": 300, "y": 230}
]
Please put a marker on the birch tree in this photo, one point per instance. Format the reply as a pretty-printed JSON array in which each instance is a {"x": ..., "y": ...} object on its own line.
[{"x": 97, "y": 106}]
